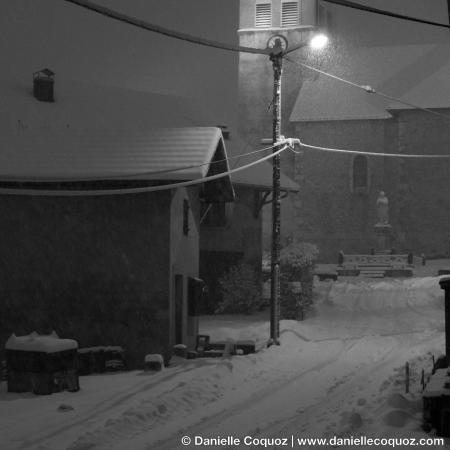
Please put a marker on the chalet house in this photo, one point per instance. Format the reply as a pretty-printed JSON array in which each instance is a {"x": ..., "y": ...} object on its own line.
[
  {"x": 232, "y": 233},
  {"x": 94, "y": 246}
]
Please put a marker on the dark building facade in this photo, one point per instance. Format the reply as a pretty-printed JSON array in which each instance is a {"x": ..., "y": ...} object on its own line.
[
  {"x": 336, "y": 205},
  {"x": 100, "y": 270}
]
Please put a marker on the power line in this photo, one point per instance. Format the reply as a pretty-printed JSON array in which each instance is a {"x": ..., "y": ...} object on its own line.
[
  {"x": 428, "y": 110},
  {"x": 151, "y": 173},
  {"x": 383, "y": 12},
  {"x": 358, "y": 152},
  {"x": 103, "y": 192},
  {"x": 195, "y": 166},
  {"x": 209, "y": 43},
  {"x": 366, "y": 88},
  {"x": 162, "y": 30},
  {"x": 235, "y": 48}
]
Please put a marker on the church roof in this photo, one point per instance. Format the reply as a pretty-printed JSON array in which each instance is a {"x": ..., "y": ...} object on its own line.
[{"x": 415, "y": 74}]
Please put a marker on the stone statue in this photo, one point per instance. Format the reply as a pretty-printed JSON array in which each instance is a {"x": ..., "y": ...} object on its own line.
[{"x": 383, "y": 208}]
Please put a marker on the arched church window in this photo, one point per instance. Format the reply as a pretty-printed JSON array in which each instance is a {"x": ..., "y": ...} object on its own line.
[{"x": 360, "y": 172}]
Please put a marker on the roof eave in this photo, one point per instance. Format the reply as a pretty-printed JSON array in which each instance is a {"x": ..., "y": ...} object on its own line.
[{"x": 220, "y": 189}]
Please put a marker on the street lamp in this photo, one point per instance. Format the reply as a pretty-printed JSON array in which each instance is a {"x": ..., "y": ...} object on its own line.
[
  {"x": 278, "y": 47},
  {"x": 318, "y": 42}
]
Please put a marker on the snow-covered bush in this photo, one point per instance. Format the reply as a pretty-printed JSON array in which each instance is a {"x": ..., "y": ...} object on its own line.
[
  {"x": 296, "y": 279},
  {"x": 240, "y": 290}
]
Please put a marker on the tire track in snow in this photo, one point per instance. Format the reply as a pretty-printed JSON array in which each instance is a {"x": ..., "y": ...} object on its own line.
[
  {"x": 333, "y": 399},
  {"x": 149, "y": 414},
  {"x": 337, "y": 394},
  {"x": 344, "y": 391},
  {"x": 255, "y": 400},
  {"x": 102, "y": 407}
]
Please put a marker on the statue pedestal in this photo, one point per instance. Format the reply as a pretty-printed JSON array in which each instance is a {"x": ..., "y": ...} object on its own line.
[{"x": 383, "y": 237}]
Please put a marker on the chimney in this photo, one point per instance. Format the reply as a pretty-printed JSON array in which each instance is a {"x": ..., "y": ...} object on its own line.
[{"x": 43, "y": 82}]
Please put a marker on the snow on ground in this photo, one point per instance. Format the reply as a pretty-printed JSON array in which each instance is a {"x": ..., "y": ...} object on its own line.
[{"x": 338, "y": 373}]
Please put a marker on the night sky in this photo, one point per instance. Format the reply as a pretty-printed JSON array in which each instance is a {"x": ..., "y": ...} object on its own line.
[{"x": 81, "y": 45}]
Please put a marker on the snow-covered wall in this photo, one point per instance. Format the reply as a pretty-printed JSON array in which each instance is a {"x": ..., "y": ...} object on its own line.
[{"x": 184, "y": 263}]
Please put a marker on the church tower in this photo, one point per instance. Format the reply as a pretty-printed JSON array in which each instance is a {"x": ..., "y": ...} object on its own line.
[
  {"x": 297, "y": 21},
  {"x": 259, "y": 21}
]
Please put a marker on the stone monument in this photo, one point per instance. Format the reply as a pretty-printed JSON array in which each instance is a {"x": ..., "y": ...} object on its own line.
[
  {"x": 382, "y": 260},
  {"x": 382, "y": 227}
]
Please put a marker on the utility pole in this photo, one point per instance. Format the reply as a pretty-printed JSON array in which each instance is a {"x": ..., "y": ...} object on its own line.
[
  {"x": 277, "y": 47},
  {"x": 276, "y": 57}
]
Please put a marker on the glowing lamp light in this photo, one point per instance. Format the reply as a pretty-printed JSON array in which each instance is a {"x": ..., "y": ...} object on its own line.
[{"x": 319, "y": 41}]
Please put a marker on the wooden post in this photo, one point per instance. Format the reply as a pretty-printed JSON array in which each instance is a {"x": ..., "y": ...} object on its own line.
[
  {"x": 445, "y": 284},
  {"x": 407, "y": 377},
  {"x": 277, "y": 58}
]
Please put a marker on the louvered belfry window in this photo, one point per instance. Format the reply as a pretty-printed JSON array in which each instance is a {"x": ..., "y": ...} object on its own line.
[
  {"x": 289, "y": 14},
  {"x": 263, "y": 15}
]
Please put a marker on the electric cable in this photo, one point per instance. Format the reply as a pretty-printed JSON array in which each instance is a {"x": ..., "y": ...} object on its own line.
[
  {"x": 124, "y": 18},
  {"x": 366, "y": 88},
  {"x": 143, "y": 174},
  {"x": 121, "y": 191},
  {"x": 358, "y": 152},
  {"x": 383, "y": 12},
  {"x": 235, "y": 48}
]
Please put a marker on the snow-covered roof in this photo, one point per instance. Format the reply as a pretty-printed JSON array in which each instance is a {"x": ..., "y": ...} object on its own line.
[
  {"x": 415, "y": 74},
  {"x": 154, "y": 358},
  {"x": 438, "y": 384},
  {"x": 43, "y": 155},
  {"x": 104, "y": 132},
  {"x": 85, "y": 106},
  {"x": 35, "y": 342}
]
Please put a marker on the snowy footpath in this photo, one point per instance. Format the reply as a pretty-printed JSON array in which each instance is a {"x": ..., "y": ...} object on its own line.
[{"x": 338, "y": 374}]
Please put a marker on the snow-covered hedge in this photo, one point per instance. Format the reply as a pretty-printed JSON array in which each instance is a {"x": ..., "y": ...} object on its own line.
[{"x": 240, "y": 290}]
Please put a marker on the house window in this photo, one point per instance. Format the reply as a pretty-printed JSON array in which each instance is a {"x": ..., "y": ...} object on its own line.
[
  {"x": 360, "y": 172},
  {"x": 290, "y": 14},
  {"x": 263, "y": 17},
  {"x": 185, "y": 217}
]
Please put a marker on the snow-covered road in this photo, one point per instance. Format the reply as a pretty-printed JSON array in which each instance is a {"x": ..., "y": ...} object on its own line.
[
  {"x": 339, "y": 373},
  {"x": 342, "y": 363}
]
